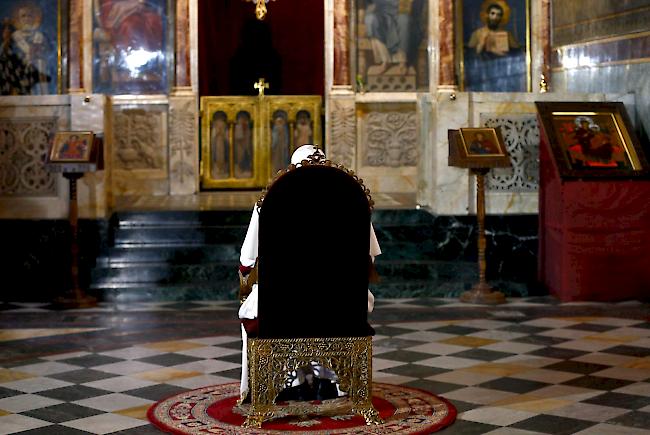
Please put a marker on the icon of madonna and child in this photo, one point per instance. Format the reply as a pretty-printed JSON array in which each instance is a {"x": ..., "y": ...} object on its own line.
[{"x": 592, "y": 142}]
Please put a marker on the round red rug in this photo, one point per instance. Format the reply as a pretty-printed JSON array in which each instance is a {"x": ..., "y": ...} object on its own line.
[{"x": 213, "y": 410}]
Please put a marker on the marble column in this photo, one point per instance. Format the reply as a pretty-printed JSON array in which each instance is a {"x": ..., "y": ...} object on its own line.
[
  {"x": 183, "y": 113},
  {"x": 182, "y": 67},
  {"x": 76, "y": 44},
  {"x": 447, "y": 61},
  {"x": 341, "y": 43},
  {"x": 545, "y": 40}
]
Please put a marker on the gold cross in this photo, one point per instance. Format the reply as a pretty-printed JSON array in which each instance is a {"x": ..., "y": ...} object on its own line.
[{"x": 260, "y": 85}]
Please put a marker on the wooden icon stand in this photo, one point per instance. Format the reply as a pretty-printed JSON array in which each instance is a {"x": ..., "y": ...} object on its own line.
[
  {"x": 481, "y": 293},
  {"x": 75, "y": 297},
  {"x": 479, "y": 149},
  {"x": 73, "y": 153}
]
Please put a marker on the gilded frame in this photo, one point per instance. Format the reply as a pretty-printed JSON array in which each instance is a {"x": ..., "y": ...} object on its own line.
[
  {"x": 71, "y": 147},
  {"x": 459, "y": 36},
  {"x": 481, "y": 147},
  {"x": 592, "y": 140},
  {"x": 261, "y": 111}
]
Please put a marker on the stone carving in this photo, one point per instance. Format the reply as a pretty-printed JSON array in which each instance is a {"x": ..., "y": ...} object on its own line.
[
  {"x": 24, "y": 143},
  {"x": 343, "y": 133},
  {"x": 139, "y": 139},
  {"x": 390, "y": 138},
  {"x": 181, "y": 142},
  {"x": 521, "y": 137}
]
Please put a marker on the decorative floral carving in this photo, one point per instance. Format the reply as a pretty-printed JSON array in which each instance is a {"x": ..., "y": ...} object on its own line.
[
  {"x": 343, "y": 133},
  {"x": 521, "y": 137},
  {"x": 138, "y": 139},
  {"x": 181, "y": 140},
  {"x": 23, "y": 146},
  {"x": 391, "y": 139}
]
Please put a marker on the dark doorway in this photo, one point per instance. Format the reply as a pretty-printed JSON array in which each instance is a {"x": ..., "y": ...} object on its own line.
[{"x": 287, "y": 48}]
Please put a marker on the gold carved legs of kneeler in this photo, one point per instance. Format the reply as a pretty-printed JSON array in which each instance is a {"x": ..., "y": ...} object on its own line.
[{"x": 271, "y": 360}]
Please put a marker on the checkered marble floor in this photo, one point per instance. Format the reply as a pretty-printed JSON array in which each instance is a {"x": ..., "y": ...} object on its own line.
[{"x": 528, "y": 367}]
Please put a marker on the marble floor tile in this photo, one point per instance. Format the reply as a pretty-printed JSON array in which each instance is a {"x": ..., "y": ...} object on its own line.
[
  {"x": 105, "y": 423},
  {"x": 207, "y": 352},
  {"x": 34, "y": 385},
  {"x": 26, "y": 402},
  {"x": 448, "y": 362},
  {"x": 611, "y": 429},
  {"x": 467, "y": 341},
  {"x": 586, "y": 411},
  {"x": 608, "y": 359},
  {"x": 630, "y": 374},
  {"x": 436, "y": 348},
  {"x": 172, "y": 346},
  {"x": 48, "y": 368},
  {"x": 113, "y": 402},
  {"x": 13, "y": 375},
  {"x": 463, "y": 377},
  {"x": 545, "y": 375},
  {"x": 498, "y": 368},
  {"x": 496, "y": 416},
  {"x": 134, "y": 352},
  {"x": 482, "y": 396},
  {"x": 128, "y": 367},
  {"x": 166, "y": 374},
  {"x": 119, "y": 384},
  {"x": 199, "y": 381},
  {"x": 638, "y": 388},
  {"x": 207, "y": 366},
  {"x": 500, "y": 363},
  {"x": 14, "y": 423}
]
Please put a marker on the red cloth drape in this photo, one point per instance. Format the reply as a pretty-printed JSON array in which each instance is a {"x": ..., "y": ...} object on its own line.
[
  {"x": 298, "y": 35},
  {"x": 594, "y": 236}
]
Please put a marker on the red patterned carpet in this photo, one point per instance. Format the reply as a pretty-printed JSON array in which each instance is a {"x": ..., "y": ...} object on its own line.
[{"x": 213, "y": 410}]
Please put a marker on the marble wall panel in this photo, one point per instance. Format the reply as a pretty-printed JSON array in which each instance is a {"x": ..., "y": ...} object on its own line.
[
  {"x": 183, "y": 146},
  {"x": 89, "y": 112},
  {"x": 139, "y": 152},
  {"x": 24, "y": 144},
  {"x": 388, "y": 135},
  {"x": 387, "y": 146},
  {"x": 342, "y": 134},
  {"x": 27, "y": 125}
]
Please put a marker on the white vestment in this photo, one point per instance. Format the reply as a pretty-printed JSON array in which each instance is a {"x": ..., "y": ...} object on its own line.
[{"x": 248, "y": 256}]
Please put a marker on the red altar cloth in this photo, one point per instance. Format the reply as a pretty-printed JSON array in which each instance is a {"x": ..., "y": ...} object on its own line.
[{"x": 594, "y": 236}]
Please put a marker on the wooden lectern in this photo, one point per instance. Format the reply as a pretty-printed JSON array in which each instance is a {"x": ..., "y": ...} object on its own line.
[
  {"x": 74, "y": 153},
  {"x": 479, "y": 149}
]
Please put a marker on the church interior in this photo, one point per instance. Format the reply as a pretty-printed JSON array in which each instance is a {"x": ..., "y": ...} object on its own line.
[{"x": 501, "y": 146}]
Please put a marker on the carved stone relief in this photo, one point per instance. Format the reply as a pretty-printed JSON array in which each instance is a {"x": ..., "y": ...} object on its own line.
[
  {"x": 521, "y": 137},
  {"x": 23, "y": 146},
  {"x": 343, "y": 132},
  {"x": 390, "y": 138},
  {"x": 139, "y": 139},
  {"x": 182, "y": 145}
]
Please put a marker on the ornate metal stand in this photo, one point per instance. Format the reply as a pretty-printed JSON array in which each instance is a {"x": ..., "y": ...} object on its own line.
[
  {"x": 271, "y": 360},
  {"x": 75, "y": 296},
  {"x": 481, "y": 293}
]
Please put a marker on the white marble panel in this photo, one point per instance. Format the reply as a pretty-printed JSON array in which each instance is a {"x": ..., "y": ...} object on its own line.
[
  {"x": 33, "y": 110},
  {"x": 450, "y": 186},
  {"x": 387, "y": 146},
  {"x": 183, "y": 145},
  {"x": 88, "y": 112}
]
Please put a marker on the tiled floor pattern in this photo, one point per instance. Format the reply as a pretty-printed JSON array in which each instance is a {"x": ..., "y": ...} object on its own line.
[{"x": 506, "y": 371}]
